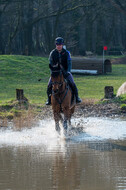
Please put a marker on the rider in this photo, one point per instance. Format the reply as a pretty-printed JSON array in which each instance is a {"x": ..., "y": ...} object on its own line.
[{"x": 60, "y": 56}]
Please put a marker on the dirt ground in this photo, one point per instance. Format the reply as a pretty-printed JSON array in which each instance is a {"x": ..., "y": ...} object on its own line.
[
  {"x": 89, "y": 109},
  {"x": 85, "y": 109}
]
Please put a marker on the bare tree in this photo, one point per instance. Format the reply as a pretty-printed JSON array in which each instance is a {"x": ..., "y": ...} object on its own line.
[{"x": 30, "y": 26}]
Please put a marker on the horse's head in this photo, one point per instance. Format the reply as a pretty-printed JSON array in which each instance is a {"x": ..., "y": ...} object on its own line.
[{"x": 57, "y": 81}]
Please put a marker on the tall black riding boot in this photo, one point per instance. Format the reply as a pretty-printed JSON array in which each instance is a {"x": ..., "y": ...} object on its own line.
[
  {"x": 75, "y": 90},
  {"x": 49, "y": 92}
]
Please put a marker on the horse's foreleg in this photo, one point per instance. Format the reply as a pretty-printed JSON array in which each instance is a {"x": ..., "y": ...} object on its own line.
[
  {"x": 57, "y": 127},
  {"x": 71, "y": 112},
  {"x": 66, "y": 118},
  {"x": 57, "y": 118},
  {"x": 65, "y": 124},
  {"x": 69, "y": 121}
]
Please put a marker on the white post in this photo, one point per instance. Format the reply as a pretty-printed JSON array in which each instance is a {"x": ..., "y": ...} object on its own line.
[{"x": 103, "y": 59}]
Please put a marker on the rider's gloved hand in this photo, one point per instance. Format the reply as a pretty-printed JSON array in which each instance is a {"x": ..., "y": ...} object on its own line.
[
  {"x": 65, "y": 73},
  {"x": 54, "y": 67}
]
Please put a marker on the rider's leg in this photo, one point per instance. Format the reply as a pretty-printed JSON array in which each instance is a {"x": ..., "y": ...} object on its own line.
[
  {"x": 49, "y": 92},
  {"x": 72, "y": 84}
]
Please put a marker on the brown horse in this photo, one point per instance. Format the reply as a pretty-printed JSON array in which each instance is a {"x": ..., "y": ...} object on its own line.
[{"x": 61, "y": 100}]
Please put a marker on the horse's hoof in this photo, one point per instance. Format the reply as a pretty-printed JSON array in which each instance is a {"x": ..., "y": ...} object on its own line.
[
  {"x": 58, "y": 129},
  {"x": 65, "y": 127},
  {"x": 65, "y": 132}
]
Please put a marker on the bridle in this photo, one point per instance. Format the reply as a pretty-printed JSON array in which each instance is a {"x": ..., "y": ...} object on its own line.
[
  {"x": 60, "y": 84},
  {"x": 58, "y": 91}
]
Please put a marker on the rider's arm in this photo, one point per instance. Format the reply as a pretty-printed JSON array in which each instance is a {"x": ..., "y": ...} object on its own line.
[
  {"x": 52, "y": 66},
  {"x": 50, "y": 60}
]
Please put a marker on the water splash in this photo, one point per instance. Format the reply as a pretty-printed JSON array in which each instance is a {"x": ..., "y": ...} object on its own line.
[
  {"x": 44, "y": 132},
  {"x": 102, "y": 129}
]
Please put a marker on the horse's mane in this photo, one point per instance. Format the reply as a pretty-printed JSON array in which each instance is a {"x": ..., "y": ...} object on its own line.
[{"x": 56, "y": 73}]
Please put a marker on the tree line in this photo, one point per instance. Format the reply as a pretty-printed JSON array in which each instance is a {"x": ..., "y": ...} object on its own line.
[{"x": 29, "y": 27}]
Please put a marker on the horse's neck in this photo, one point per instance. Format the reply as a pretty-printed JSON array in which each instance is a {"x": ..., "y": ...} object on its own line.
[
  {"x": 61, "y": 78},
  {"x": 64, "y": 85}
]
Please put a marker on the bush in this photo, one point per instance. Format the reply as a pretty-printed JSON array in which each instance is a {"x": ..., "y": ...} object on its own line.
[{"x": 123, "y": 107}]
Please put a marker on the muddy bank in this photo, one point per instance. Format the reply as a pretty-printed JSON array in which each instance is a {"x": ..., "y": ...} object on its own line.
[{"x": 89, "y": 109}]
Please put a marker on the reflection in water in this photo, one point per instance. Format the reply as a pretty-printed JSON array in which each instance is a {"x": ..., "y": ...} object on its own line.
[
  {"x": 65, "y": 173},
  {"x": 38, "y": 159},
  {"x": 106, "y": 146}
]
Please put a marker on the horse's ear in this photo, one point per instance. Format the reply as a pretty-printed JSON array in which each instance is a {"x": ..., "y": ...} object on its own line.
[{"x": 55, "y": 73}]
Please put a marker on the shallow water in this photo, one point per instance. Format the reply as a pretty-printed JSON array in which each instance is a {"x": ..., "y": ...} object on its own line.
[{"x": 91, "y": 158}]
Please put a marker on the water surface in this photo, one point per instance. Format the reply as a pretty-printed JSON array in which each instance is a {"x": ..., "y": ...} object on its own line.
[{"x": 92, "y": 158}]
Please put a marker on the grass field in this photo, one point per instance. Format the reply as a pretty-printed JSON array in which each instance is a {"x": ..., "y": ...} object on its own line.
[{"x": 23, "y": 72}]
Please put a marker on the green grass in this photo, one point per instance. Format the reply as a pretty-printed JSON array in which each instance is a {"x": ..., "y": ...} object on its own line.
[
  {"x": 93, "y": 86},
  {"x": 23, "y": 72}
]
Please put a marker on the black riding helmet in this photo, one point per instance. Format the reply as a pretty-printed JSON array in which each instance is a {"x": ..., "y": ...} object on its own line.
[{"x": 59, "y": 41}]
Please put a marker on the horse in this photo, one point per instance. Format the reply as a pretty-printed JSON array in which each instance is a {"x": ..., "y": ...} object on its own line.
[{"x": 61, "y": 100}]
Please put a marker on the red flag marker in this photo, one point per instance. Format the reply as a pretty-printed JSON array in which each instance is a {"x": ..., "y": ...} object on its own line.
[{"x": 105, "y": 48}]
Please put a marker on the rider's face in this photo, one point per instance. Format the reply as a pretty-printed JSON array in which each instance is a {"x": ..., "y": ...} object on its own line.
[{"x": 59, "y": 47}]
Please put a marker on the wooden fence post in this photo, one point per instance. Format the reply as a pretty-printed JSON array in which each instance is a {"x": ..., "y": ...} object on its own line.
[
  {"x": 108, "y": 91},
  {"x": 20, "y": 95}
]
